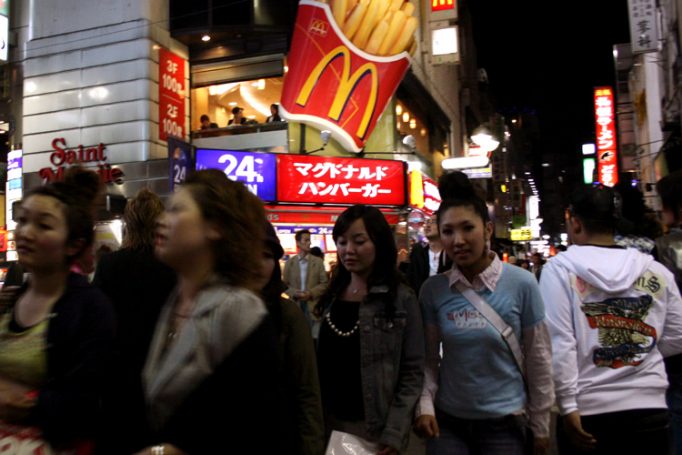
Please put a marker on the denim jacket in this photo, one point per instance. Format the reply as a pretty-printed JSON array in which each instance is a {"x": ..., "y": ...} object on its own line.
[{"x": 392, "y": 364}]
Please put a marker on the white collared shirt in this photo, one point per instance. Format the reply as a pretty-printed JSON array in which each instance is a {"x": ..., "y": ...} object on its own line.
[{"x": 303, "y": 264}]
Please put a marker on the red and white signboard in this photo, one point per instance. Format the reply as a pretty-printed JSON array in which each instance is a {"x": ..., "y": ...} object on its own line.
[
  {"x": 607, "y": 158},
  {"x": 313, "y": 179},
  {"x": 171, "y": 95}
]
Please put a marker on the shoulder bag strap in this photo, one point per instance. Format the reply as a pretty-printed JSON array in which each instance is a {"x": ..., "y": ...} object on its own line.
[{"x": 496, "y": 320}]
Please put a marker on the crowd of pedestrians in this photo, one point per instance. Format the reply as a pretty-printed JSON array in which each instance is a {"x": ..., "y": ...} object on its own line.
[{"x": 192, "y": 340}]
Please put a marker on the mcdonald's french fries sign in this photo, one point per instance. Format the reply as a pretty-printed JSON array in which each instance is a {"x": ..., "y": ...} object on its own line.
[{"x": 346, "y": 61}]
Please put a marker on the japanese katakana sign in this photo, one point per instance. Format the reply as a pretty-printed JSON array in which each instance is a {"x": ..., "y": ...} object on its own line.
[
  {"x": 607, "y": 157},
  {"x": 329, "y": 180},
  {"x": 643, "y": 26}
]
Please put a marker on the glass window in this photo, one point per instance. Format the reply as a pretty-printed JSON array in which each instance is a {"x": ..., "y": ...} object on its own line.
[{"x": 221, "y": 102}]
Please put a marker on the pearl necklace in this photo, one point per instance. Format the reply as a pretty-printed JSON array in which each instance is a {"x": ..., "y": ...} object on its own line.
[{"x": 336, "y": 330}]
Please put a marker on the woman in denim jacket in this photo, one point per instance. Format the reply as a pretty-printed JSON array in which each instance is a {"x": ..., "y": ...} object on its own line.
[{"x": 371, "y": 345}]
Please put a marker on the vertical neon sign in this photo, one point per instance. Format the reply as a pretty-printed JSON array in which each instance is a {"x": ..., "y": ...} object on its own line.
[{"x": 607, "y": 155}]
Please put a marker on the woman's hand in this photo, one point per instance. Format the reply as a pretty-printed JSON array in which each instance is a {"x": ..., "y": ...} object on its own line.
[
  {"x": 161, "y": 449},
  {"x": 426, "y": 426},
  {"x": 15, "y": 399},
  {"x": 388, "y": 450}
]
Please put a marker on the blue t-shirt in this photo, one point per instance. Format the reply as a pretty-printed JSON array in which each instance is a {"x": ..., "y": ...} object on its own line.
[{"x": 478, "y": 377}]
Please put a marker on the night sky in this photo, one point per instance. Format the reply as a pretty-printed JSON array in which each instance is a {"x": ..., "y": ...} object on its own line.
[{"x": 546, "y": 57}]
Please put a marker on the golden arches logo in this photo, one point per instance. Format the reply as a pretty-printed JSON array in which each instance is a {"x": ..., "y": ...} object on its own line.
[
  {"x": 319, "y": 27},
  {"x": 347, "y": 85}
]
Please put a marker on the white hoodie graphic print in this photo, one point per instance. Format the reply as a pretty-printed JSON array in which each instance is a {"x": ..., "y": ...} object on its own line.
[{"x": 612, "y": 314}]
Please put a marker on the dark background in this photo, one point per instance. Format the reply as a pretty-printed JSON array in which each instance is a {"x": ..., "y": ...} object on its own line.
[{"x": 544, "y": 59}]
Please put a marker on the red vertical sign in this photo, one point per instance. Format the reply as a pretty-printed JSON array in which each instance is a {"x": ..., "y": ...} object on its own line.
[
  {"x": 171, "y": 95},
  {"x": 607, "y": 158}
]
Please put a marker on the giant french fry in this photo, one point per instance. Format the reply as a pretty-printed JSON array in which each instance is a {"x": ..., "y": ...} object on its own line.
[
  {"x": 339, "y": 8},
  {"x": 395, "y": 5},
  {"x": 351, "y": 5},
  {"x": 405, "y": 36},
  {"x": 408, "y": 8},
  {"x": 377, "y": 38},
  {"x": 367, "y": 25},
  {"x": 395, "y": 28},
  {"x": 353, "y": 23}
]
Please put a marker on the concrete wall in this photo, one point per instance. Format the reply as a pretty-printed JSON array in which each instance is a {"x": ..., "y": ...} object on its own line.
[{"x": 90, "y": 75}]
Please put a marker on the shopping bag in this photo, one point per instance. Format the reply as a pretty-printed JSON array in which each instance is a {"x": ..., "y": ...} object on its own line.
[{"x": 341, "y": 443}]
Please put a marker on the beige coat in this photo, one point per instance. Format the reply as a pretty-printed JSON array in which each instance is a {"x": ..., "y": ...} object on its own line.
[{"x": 316, "y": 278}]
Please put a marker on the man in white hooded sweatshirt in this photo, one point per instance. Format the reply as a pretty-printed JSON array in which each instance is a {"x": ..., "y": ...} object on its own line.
[{"x": 613, "y": 314}]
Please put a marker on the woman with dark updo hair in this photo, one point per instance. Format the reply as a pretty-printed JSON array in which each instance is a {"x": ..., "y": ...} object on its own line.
[
  {"x": 477, "y": 397},
  {"x": 56, "y": 331}
]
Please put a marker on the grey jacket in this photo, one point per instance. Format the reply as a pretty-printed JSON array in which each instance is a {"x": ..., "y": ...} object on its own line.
[
  {"x": 221, "y": 319},
  {"x": 392, "y": 364}
]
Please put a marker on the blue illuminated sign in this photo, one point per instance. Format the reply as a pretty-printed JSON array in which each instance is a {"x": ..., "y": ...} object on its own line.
[{"x": 255, "y": 170}]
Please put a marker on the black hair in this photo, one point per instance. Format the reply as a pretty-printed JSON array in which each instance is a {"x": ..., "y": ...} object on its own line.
[
  {"x": 299, "y": 234},
  {"x": 384, "y": 270},
  {"x": 77, "y": 193},
  {"x": 635, "y": 217},
  {"x": 597, "y": 206},
  {"x": 669, "y": 189},
  {"x": 317, "y": 251},
  {"x": 204, "y": 117},
  {"x": 456, "y": 190}
]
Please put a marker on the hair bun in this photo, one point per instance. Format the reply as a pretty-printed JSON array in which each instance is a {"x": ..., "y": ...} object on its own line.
[
  {"x": 86, "y": 183},
  {"x": 455, "y": 185}
]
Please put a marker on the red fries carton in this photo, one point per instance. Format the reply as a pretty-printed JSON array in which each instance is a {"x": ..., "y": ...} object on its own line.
[{"x": 332, "y": 84}]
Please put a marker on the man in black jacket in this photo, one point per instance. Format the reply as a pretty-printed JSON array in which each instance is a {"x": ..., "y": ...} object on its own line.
[{"x": 426, "y": 260}]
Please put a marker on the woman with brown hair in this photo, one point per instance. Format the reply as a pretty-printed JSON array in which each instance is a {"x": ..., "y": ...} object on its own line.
[
  {"x": 56, "y": 331},
  {"x": 210, "y": 378},
  {"x": 138, "y": 285}
]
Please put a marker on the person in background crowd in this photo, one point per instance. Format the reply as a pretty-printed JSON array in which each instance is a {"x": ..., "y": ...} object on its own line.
[
  {"x": 305, "y": 278},
  {"x": 56, "y": 331},
  {"x": 537, "y": 262},
  {"x": 614, "y": 314},
  {"x": 138, "y": 285},
  {"x": 206, "y": 122},
  {"x": 237, "y": 116},
  {"x": 637, "y": 226},
  {"x": 371, "y": 346},
  {"x": 317, "y": 252},
  {"x": 669, "y": 251},
  {"x": 274, "y": 114},
  {"x": 425, "y": 260},
  {"x": 303, "y": 428},
  {"x": 474, "y": 398},
  {"x": 213, "y": 351}
]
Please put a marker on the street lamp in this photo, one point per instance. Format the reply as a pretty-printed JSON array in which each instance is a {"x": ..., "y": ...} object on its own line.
[{"x": 484, "y": 139}]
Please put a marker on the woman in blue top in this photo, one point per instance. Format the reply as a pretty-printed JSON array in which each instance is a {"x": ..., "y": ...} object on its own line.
[{"x": 474, "y": 398}]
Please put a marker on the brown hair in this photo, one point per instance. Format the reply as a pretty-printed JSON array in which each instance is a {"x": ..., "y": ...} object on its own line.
[
  {"x": 140, "y": 216},
  {"x": 238, "y": 215},
  {"x": 77, "y": 193}
]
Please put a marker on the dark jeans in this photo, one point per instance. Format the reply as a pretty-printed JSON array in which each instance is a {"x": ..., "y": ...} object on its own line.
[
  {"x": 674, "y": 399},
  {"x": 638, "y": 431},
  {"x": 500, "y": 436}
]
